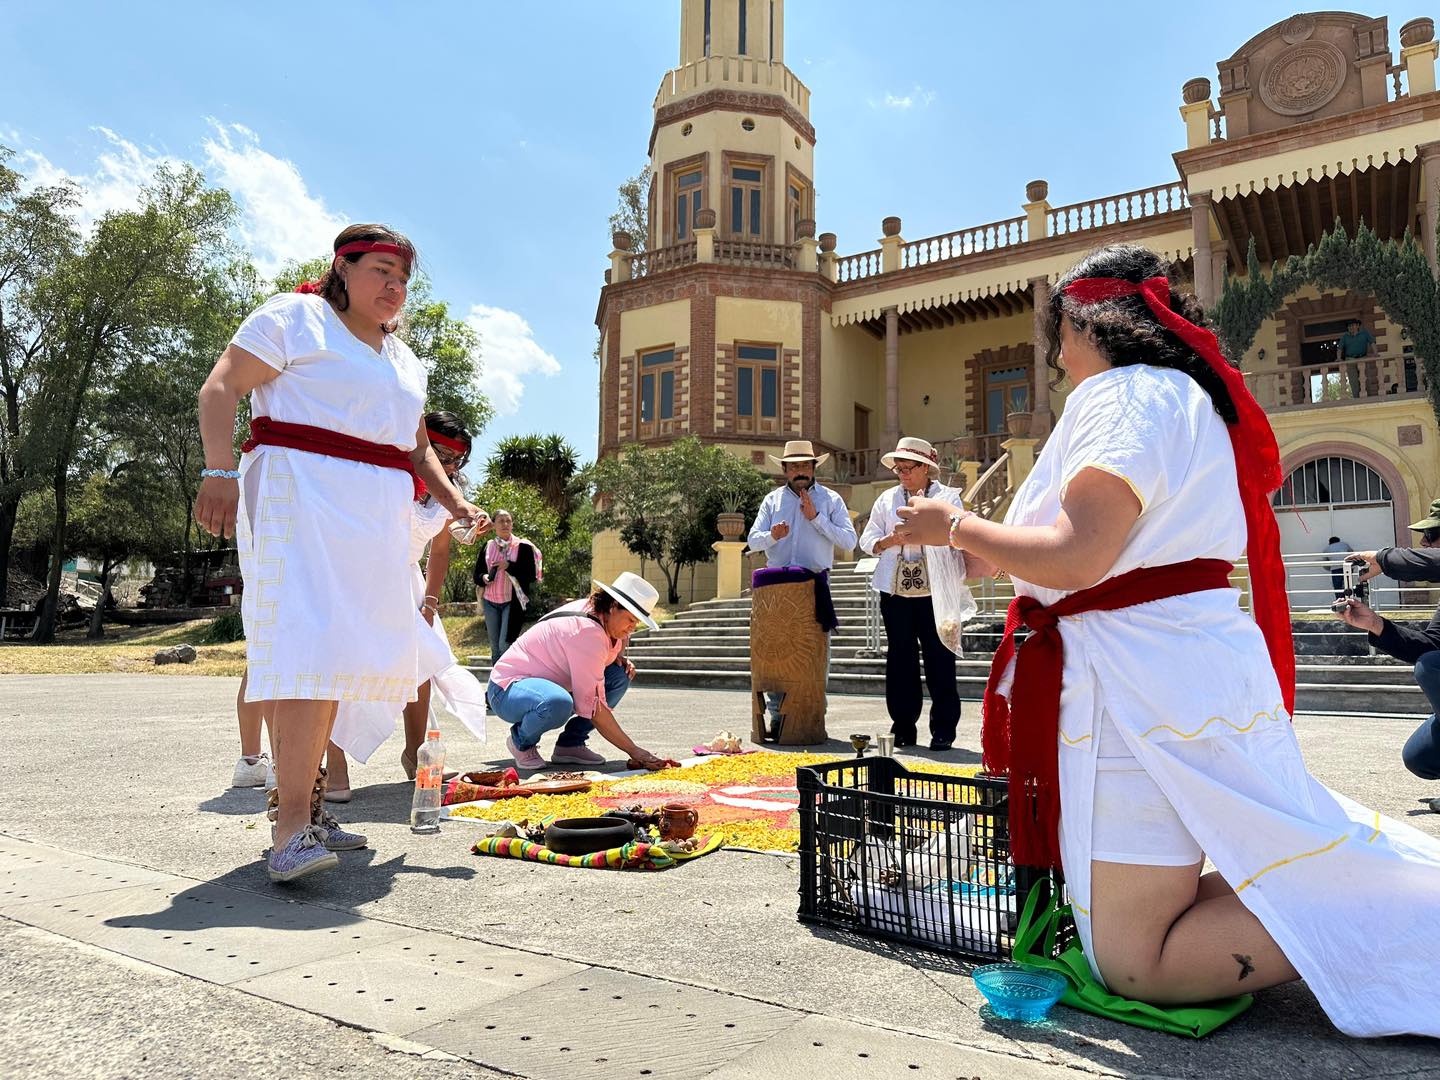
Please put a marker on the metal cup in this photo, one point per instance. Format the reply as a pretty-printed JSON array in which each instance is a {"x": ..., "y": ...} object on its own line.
[{"x": 887, "y": 745}]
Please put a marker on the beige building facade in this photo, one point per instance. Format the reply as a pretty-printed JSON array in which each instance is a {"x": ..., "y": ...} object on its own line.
[{"x": 740, "y": 325}]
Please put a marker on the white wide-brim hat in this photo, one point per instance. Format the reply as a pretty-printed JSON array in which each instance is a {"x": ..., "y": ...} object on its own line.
[
  {"x": 799, "y": 450},
  {"x": 636, "y": 595},
  {"x": 908, "y": 449}
]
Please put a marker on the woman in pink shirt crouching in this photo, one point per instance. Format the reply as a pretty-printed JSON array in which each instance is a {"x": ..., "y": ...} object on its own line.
[{"x": 569, "y": 671}]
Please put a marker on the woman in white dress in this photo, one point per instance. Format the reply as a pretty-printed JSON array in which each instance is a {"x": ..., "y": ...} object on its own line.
[
  {"x": 360, "y": 727},
  {"x": 320, "y": 509},
  {"x": 1145, "y": 723}
]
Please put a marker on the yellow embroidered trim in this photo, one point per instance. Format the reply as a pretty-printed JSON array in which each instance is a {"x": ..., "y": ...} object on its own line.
[
  {"x": 1112, "y": 472},
  {"x": 1080, "y": 909},
  {"x": 1293, "y": 858},
  {"x": 1073, "y": 742},
  {"x": 1237, "y": 729},
  {"x": 1376, "y": 833}
]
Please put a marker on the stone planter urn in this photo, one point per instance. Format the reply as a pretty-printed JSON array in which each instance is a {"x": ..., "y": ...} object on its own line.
[
  {"x": 705, "y": 219},
  {"x": 622, "y": 240},
  {"x": 1037, "y": 190},
  {"x": 731, "y": 526},
  {"x": 1196, "y": 91},
  {"x": 1417, "y": 32},
  {"x": 890, "y": 226},
  {"x": 827, "y": 241},
  {"x": 805, "y": 229},
  {"x": 1018, "y": 424},
  {"x": 967, "y": 448}
]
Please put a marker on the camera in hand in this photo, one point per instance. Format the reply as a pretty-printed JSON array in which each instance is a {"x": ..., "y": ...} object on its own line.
[{"x": 1354, "y": 587}]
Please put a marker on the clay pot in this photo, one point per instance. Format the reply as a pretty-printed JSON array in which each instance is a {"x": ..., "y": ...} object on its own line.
[
  {"x": 705, "y": 219},
  {"x": 585, "y": 836},
  {"x": 1195, "y": 91},
  {"x": 1417, "y": 32},
  {"x": 967, "y": 448},
  {"x": 827, "y": 241},
  {"x": 805, "y": 229},
  {"x": 1018, "y": 424},
  {"x": 890, "y": 226},
  {"x": 731, "y": 526},
  {"x": 1037, "y": 190},
  {"x": 622, "y": 240},
  {"x": 678, "y": 822}
]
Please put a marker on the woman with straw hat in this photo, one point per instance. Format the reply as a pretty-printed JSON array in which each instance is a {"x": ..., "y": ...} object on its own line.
[
  {"x": 569, "y": 671},
  {"x": 905, "y": 605}
]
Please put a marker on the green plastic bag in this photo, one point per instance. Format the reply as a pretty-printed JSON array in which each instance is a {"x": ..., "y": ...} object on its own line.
[{"x": 1083, "y": 991}]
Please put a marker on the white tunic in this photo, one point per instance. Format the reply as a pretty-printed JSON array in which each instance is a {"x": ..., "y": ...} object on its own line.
[
  {"x": 1348, "y": 895},
  {"x": 360, "y": 728},
  {"x": 323, "y": 541}
]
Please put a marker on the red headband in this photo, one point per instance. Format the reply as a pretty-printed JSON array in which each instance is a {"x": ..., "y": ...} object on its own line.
[
  {"x": 358, "y": 247},
  {"x": 445, "y": 441},
  {"x": 1257, "y": 465}
]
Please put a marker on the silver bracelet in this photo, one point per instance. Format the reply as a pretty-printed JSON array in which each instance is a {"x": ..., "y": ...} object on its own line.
[{"x": 224, "y": 474}]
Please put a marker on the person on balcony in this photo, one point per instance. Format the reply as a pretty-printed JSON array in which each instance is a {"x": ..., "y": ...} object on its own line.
[
  {"x": 798, "y": 527},
  {"x": 1411, "y": 643},
  {"x": 1355, "y": 344},
  {"x": 905, "y": 605},
  {"x": 1144, "y": 724}
]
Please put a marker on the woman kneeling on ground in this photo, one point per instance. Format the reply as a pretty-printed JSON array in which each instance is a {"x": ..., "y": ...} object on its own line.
[
  {"x": 1146, "y": 719},
  {"x": 569, "y": 671}
]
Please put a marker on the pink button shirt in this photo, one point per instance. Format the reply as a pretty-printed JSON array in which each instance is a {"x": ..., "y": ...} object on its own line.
[{"x": 572, "y": 653}]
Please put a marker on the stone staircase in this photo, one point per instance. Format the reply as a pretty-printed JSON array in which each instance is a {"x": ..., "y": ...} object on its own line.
[{"x": 707, "y": 646}]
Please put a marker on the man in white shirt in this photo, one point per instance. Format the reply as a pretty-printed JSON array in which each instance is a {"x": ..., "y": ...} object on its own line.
[
  {"x": 801, "y": 523},
  {"x": 1337, "y": 549},
  {"x": 902, "y": 581}
]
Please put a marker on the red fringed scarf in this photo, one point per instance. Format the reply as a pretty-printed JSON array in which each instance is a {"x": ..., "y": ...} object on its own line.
[
  {"x": 317, "y": 440},
  {"x": 1025, "y": 748}
]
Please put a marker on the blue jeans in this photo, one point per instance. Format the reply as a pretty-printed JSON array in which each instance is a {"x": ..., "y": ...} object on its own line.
[
  {"x": 534, "y": 706},
  {"x": 1422, "y": 750},
  {"x": 497, "y": 627}
]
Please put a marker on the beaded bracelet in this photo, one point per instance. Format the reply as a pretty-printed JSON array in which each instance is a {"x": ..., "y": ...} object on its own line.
[
  {"x": 955, "y": 520},
  {"x": 224, "y": 474}
]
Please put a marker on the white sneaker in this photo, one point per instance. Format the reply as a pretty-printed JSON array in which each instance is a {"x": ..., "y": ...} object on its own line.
[{"x": 257, "y": 773}]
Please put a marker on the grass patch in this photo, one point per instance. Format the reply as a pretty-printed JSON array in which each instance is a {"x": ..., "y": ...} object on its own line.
[{"x": 127, "y": 649}]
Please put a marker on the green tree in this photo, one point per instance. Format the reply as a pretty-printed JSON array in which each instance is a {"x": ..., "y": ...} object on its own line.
[
  {"x": 664, "y": 502},
  {"x": 118, "y": 298},
  {"x": 632, "y": 211},
  {"x": 119, "y": 517},
  {"x": 36, "y": 236},
  {"x": 547, "y": 462},
  {"x": 450, "y": 348}
]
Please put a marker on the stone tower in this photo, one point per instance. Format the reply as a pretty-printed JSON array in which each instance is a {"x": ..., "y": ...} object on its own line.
[{"x": 732, "y": 132}]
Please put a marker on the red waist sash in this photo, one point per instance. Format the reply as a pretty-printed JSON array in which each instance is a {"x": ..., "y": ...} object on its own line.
[
  {"x": 1020, "y": 737},
  {"x": 317, "y": 440}
]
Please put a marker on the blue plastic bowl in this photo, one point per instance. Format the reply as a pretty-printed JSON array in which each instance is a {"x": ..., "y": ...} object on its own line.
[{"x": 1017, "y": 992}]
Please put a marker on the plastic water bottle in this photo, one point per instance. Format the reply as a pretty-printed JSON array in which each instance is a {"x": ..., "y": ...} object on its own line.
[{"x": 429, "y": 775}]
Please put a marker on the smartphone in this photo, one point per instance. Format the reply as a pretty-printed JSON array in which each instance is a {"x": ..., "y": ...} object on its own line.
[{"x": 1353, "y": 586}]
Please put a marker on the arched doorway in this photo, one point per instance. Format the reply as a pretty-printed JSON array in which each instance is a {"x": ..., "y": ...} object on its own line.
[{"x": 1330, "y": 496}]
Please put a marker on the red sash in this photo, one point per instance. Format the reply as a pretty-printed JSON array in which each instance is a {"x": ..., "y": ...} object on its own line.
[
  {"x": 317, "y": 440},
  {"x": 1021, "y": 736}
]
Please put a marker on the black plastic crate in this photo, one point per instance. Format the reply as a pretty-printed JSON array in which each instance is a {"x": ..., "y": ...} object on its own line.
[{"x": 920, "y": 858}]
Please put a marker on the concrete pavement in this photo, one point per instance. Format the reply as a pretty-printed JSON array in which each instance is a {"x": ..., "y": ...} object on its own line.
[{"x": 142, "y": 764}]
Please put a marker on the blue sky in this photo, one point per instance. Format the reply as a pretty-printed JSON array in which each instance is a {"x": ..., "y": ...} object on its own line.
[{"x": 495, "y": 134}]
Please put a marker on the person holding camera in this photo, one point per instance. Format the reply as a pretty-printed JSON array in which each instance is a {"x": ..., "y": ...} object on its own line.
[{"x": 1409, "y": 642}]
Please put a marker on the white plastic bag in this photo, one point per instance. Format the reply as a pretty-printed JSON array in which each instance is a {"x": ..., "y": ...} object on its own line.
[{"x": 949, "y": 594}]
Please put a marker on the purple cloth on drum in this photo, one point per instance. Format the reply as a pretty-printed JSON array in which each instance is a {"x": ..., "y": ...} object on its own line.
[{"x": 788, "y": 575}]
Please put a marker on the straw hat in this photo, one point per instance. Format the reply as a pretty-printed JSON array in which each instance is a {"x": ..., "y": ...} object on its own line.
[
  {"x": 636, "y": 595},
  {"x": 799, "y": 450},
  {"x": 909, "y": 449}
]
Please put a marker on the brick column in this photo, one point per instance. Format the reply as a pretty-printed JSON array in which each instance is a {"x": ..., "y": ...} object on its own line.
[
  {"x": 1204, "y": 256},
  {"x": 1043, "y": 419},
  {"x": 892, "y": 376},
  {"x": 702, "y": 362},
  {"x": 1429, "y": 201}
]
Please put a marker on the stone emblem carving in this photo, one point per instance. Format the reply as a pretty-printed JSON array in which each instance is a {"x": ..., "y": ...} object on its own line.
[
  {"x": 1303, "y": 78},
  {"x": 1297, "y": 28}
]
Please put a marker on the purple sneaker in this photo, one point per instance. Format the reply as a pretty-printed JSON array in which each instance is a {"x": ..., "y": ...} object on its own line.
[
  {"x": 304, "y": 854},
  {"x": 530, "y": 759},
  {"x": 336, "y": 838}
]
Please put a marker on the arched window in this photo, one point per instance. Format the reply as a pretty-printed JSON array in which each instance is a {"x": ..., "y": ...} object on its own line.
[{"x": 1333, "y": 481}]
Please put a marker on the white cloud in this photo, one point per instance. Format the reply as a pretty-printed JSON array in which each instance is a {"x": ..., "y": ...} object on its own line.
[
  {"x": 280, "y": 220},
  {"x": 509, "y": 353},
  {"x": 917, "y": 95},
  {"x": 121, "y": 170}
]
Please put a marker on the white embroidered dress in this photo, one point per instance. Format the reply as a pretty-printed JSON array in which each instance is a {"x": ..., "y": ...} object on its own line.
[
  {"x": 323, "y": 541},
  {"x": 360, "y": 728},
  {"x": 1348, "y": 895}
]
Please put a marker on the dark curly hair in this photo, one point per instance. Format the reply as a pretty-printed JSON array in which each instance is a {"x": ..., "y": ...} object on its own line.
[
  {"x": 1125, "y": 330},
  {"x": 331, "y": 286}
]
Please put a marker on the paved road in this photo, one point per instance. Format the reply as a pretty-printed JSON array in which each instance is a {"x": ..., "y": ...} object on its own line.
[{"x": 123, "y": 778}]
